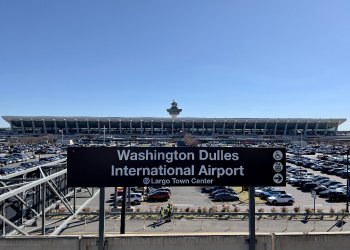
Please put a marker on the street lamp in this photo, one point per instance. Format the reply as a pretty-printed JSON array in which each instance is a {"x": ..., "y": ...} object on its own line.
[
  {"x": 61, "y": 130},
  {"x": 347, "y": 180}
]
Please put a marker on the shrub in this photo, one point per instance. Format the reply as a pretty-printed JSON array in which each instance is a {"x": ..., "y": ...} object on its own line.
[
  {"x": 273, "y": 210},
  {"x": 296, "y": 209},
  {"x": 319, "y": 210},
  {"x": 205, "y": 210},
  {"x": 261, "y": 210},
  {"x": 308, "y": 210},
  {"x": 236, "y": 209},
  {"x": 332, "y": 210},
  {"x": 213, "y": 209},
  {"x": 284, "y": 210},
  {"x": 187, "y": 209},
  {"x": 199, "y": 210}
]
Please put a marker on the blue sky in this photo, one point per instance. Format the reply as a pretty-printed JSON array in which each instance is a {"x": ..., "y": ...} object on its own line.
[{"x": 226, "y": 58}]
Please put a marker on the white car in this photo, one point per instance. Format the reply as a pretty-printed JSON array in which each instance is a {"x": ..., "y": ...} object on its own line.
[
  {"x": 135, "y": 198},
  {"x": 281, "y": 199}
]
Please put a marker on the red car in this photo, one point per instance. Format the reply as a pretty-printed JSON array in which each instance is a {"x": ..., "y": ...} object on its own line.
[{"x": 158, "y": 196}]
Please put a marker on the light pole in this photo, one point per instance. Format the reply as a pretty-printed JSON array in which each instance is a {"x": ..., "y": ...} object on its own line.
[
  {"x": 61, "y": 130},
  {"x": 347, "y": 180},
  {"x": 104, "y": 135}
]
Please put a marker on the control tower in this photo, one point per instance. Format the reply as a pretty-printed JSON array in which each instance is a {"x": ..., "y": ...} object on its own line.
[{"x": 174, "y": 111}]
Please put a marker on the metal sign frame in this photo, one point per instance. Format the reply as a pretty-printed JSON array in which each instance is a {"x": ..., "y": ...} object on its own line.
[{"x": 175, "y": 166}]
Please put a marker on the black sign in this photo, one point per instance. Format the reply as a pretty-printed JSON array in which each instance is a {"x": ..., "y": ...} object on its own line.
[{"x": 175, "y": 166}]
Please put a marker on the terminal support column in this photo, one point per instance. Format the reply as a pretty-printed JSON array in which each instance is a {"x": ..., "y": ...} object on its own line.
[
  {"x": 296, "y": 128},
  {"x": 234, "y": 127},
  {"x": 285, "y": 128},
  {"x": 33, "y": 126},
  {"x": 55, "y": 125},
  {"x": 22, "y": 125},
  {"x": 88, "y": 126},
  {"x": 77, "y": 126},
  {"x": 317, "y": 124},
  {"x": 44, "y": 125},
  {"x": 305, "y": 129},
  {"x": 275, "y": 131},
  {"x": 66, "y": 125},
  {"x": 255, "y": 127}
]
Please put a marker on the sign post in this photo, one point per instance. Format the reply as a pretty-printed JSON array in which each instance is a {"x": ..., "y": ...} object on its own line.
[{"x": 314, "y": 195}]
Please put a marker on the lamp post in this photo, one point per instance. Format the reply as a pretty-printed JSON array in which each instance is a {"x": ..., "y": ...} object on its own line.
[
  {"x": 61, "y": 130},
  {"x": 347, "y": 180},
  {"x": 104, "y": 135}
]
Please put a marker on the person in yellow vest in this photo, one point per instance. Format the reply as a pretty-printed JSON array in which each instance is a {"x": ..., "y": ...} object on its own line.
[{"x": 162, "y": 213}]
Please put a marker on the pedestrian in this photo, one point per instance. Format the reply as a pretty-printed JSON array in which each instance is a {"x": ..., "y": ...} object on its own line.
[
  {"x": 169, "y": 211},
  {"x": 162, "y": 213}
]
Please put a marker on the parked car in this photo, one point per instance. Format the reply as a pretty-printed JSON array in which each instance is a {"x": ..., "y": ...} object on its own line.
[
  {"x": 158, "y": 196},
  {"x": 281, "y": 199},
  {"x": 226, "y": 197},
  {"x": 135, "y": 198}
]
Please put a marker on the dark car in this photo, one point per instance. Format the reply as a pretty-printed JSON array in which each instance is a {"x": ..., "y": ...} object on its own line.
[
  {"x": 158, "y": 196},
  {"x": 308, "y": 186},
  {"x": 337, "y": 196},
  {"x": 226, "y": 197}
]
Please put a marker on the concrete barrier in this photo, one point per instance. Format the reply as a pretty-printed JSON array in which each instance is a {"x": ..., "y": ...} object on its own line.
[{"x": 200, "y": 241}]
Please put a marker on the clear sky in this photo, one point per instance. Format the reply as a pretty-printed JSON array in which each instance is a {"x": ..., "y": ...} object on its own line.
[{"x": 216, "y": 58}]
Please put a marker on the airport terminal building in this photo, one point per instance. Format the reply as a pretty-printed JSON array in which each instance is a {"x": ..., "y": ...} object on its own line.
[
  {"x": 148, "y": 126},
  {"x": 174, "y": 126}
]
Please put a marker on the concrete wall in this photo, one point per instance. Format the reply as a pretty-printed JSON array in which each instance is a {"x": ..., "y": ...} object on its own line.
[{"x": 280, "y": 241}]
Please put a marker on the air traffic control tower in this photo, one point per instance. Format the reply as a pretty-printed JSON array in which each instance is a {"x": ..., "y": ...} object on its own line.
[{"x": 174, "y": 111}]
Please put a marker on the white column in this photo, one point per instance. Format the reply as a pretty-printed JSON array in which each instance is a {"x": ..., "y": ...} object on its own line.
[
  {"x": 120, "y": 126},
  {"x": 141, "y": 127},
  {"x": 296, "y": 128},
  {"x": 33, "y": 126},
  {"x": 77, "y": 125},
  {"x": 315, "y": 132},
  {"x": 305, "y": 129},
  {"x": 44, "y": 125},
  {"x": 203, "y": 128},
  {"x": 152, "y": 127},
  {"x": 88, "y": 125},
  {"x": 234, "y": 127},
  {"x": 22, "y": 125},
  {"x": 275, "y": 128},
  {"x": 131, "y": 131},
  {"x": 326, "y": 130},
  {"x": 285, "y": 128},
  {"x": 11, "y": 125},
  {"x": 265, "y": 128},
  {"x": 244, "y": 127},
  {"x": 223, "y": 128},
  {"x": 55, "y": 125},
  {"x": 255, "y": 128},
  {"x": 65, "y": 122},
  {"x": 214, "y": 123},
  {"x": 336, "y": 128}
]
